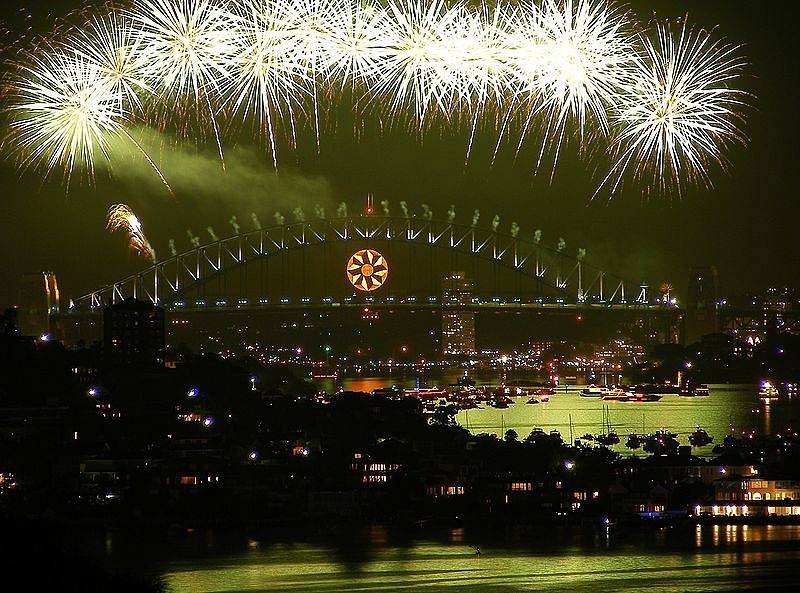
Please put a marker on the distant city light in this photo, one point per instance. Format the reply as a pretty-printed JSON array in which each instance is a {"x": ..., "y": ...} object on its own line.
[
  {"x": 93, "y": 391},
  {"x": 208, "y": 421},
  {"x": 253, "y": 455},
  {"x": 45, "y": 338},
  {"x": 569, "y": 464},
  {"x": 193, "y": 392}
]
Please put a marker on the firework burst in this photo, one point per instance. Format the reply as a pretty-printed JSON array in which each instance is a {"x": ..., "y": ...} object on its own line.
[
  {"x": 122, "y": 218},
  {"x": 563, "y": 68},
  {"x": 64, "y": 111},
  {"x": 679, "y": 111}
]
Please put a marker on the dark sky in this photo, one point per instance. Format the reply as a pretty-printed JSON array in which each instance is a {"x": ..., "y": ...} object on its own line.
[{"x": 746, "y": 225}]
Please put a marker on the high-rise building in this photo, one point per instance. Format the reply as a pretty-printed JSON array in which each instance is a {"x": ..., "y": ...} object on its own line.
[
  {"x": 701, "y": 303},
  {"x": 458, "y": 325},
  {"x": 133, "y": 333},
  {"x": 38, "y": 298}
]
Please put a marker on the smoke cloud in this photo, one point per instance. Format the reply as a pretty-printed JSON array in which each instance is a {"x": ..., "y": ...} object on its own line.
[{"x": 196, "y": 174}]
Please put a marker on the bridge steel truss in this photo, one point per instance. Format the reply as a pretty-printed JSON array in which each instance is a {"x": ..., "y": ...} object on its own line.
[{"x": 573, "y": 277}]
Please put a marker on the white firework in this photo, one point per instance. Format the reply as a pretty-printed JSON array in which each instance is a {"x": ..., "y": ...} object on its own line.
[
  {"x": 187, "y": 44},
  {"x": 679, "y": 111},
  {"x": 357, "y": 42},
  {"x": 268, "y": 80},
  {"x": 419, "y": 72},
  {"x": 563, "y": 67},
  {"x": 115, "y": 46},
  {"x": 64, "y": 112}
]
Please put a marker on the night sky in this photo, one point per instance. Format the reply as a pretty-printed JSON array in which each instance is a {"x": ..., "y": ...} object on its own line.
[{"x": 746, "y": 225}]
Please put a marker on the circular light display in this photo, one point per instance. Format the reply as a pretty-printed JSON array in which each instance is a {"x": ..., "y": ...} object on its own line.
[{"x": 367, "y": 270}]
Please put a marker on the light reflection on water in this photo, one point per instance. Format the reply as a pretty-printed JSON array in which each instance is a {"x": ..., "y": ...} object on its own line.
[{"x": 714, "y": 558}]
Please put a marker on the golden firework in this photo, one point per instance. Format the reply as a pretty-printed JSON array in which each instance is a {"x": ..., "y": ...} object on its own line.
[{"x": 367, "y": 270}]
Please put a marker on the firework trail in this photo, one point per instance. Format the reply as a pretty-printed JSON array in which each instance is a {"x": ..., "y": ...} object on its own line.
[
  {"x": 120, "y": 217},
  {"x": 666, "y": 103}
]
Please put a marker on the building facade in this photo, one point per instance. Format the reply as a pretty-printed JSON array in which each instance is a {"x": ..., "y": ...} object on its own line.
[
  {"x": 458, "y": 322},
  {"x": 133, "y": 333}
]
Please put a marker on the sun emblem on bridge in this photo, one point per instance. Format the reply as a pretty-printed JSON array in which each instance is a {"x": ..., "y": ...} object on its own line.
[{"x": 367, "y": 270}]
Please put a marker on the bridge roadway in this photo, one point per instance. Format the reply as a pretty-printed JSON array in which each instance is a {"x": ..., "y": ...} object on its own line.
[{"x": 554, "y": 306}]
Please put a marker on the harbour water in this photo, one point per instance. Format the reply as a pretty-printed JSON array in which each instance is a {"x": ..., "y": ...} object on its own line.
[
  {"x": 730, "y": 409},
  {"x": 691, "y": 558}
]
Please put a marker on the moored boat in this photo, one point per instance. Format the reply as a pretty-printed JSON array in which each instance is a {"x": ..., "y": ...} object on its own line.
[{"x": 617, "y": 395}]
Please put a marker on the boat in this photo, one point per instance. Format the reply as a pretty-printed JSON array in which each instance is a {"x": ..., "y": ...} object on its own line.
[
  {"x": 634, "y": 441},
  {"x": 644, "y": 397},
  {"x": 464, "y": 381},
  {"x": 501, "y": 402},
  {"x": 607, "y": 439},
  {"x": 660, "y": 443},
  {"x": 542, "y": 391},
  {"x": 768, "y": 392},
  {"x": 392, "y": 391},
  {"x": 617, "y": 395},
  {"x": 427, "y": 392},
  {"x": 532, "y": 400},
  {"x": 593, "y": 391},
  {"x": 700, "y": 438},
  {"x": 697, "y": 391}
]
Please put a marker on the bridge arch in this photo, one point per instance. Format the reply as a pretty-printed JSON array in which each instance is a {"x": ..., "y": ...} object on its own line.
[{"x": 575, "y": 279}]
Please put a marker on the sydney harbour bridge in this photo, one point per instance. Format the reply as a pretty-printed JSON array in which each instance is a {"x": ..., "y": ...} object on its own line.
[{"x": 308, "y": 266}]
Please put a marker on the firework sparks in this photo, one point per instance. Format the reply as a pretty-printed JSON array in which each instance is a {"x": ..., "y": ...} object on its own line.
[
  {"x": 63, "y": 113},
  {"x": 121, "y": 218},
  {"x": 679, "y": 111},
  {"x": 563, "y": 67}
]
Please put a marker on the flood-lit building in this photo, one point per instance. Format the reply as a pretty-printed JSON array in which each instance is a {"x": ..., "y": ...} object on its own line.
[
  {"x": 753, "y": 496},
  {"x": 458, "y": 325}
]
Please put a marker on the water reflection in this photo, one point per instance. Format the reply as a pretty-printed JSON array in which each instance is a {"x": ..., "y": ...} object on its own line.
[{"x": 701, "y": 558}]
